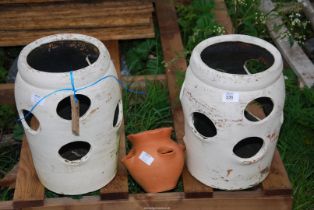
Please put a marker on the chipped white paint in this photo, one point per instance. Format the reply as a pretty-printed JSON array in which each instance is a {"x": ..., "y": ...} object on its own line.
[
  {"x": 211, "y": 160},
  {"x": 98, "y": 166}
]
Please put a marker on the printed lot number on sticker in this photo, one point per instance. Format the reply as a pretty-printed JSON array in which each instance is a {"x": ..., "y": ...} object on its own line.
[
  {"x": 146, "y": 158},
  {"x": 230, "y": 97}
]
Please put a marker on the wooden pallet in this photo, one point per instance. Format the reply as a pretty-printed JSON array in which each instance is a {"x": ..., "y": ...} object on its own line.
[
  {"x": 273, "y": 193},
  {"x": 105, "y": 20}
]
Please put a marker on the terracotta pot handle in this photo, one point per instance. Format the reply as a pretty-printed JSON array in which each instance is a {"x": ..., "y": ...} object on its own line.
[
  {"x": 166, "y": 151},
  {"x": 130, "y": 155}
]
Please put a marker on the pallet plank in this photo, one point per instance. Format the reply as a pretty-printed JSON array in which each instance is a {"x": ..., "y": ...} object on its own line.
[
  {"x": 27, "y": 1},
  {"x": 7, "y": 94},
  {"x": 173, "y": 201},
  {"x": 77, "y": 9},
  {"x": 28, "y": 189},
  {"x": 6, "y": 205},
  {"x": 118, "y": 187},
  {"x": 294, "y": 55},
  {"x": 15, "y": 38},
  {"x": 308, "y": 8},
  {"x": 174, "y": 58},
  {"x": 277, "y": 182},
  {"x": 74, "y": 22},
  {"x": 222, "y": 16},
  {"x": 113, "y": 48}
]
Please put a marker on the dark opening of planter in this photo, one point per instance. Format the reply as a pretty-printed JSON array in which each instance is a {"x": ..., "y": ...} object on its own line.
[
  {"x": 116, "y": 115},
  {"x": 204, "y": 125},
  {"x": 248, "y": 147},
  {"x": 232, "y": 57},
  {"x": 74, "y": 150},
  {"x": 62, "y": 56},
  {"x": 258, "y": 109},
  {"x": 64, "y": 106},
  {"x": 31, "y": 120}
]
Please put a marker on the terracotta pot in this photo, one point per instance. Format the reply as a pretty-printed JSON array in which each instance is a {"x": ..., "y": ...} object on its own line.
[{"x": 155, "y": 161}]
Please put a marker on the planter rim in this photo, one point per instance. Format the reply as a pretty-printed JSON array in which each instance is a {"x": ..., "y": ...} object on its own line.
[
  {"x": 62, "y": 79},
  {"x": 240, "y": 82}
]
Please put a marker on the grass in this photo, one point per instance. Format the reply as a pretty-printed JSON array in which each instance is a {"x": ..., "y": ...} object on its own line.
[
  {"x": 9, "y": 155},
  {"x": 143, "y": 56},
  {"x": 296, "y": 141},
  {"x": 148, "y": 111},
  {"x": 197, "y": 22}
]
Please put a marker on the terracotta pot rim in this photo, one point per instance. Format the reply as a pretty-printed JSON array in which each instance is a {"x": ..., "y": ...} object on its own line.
[{"x": 149, "y": 132}]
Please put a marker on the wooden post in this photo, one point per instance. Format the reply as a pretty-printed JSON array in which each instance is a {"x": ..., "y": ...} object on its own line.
[
  {"x": 75, "y": 111},
  {"x": 173, "y": 52}
]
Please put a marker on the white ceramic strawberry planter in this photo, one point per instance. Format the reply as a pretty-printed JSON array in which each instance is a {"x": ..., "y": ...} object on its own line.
[
  {"x": 232, "y": 117},
  {"x": 66, "y": 163}
]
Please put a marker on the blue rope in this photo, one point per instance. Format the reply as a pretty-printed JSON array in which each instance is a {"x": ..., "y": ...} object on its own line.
[
  {"x": 75, "y": 90},
  {"x": 73, "y": 86}
]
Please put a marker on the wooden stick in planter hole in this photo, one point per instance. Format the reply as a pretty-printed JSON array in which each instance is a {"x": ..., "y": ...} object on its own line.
[{"x": 75, "y": 112}]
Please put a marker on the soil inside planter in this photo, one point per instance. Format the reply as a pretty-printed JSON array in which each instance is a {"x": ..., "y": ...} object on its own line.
[
  {"x": 62, "y": 56},
  {"x": 231, "y": 57}
]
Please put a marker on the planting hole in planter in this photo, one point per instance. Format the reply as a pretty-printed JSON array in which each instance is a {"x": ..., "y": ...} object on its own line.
[
  {"x": 117, "y": 115},
  {"x": 248, "y": 147},
  {"x": 62, "y": 56},
  {"x": 64, "y": 106},
  {"x": 233, "y": 57},
  {"x": 204, "y": 125},
  {"x": 258, "y": 109},
  {"x": 74, "y": 151},
  {"x": 30, "y": 120}
]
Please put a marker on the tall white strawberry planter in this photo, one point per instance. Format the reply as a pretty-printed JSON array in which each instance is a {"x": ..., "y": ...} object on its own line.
[
  {"x": 232, "y": 117},
  {"x": 68, "y": 163}
]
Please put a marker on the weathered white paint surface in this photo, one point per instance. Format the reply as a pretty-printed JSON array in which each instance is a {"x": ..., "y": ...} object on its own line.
[
  {"x": 98, "y": 167},
  {"x": 211, "y": 160}
]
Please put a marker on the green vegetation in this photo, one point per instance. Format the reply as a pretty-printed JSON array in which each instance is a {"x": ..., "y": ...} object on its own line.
[
  {"x": 247, "y": 18},
  {"x": 143, "y": 56},
  {"x": 9, "y": 155},
  {"x": 197, "y": 23},
  {"x": 296, "y": 141},
  {"x": 10, "y": 144},
  {"x": 148, "y": 111},
  {"x": 7, "y": 112},
  {"x": 3, "y": 71},
  {"x": 299, "y": 27}
]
